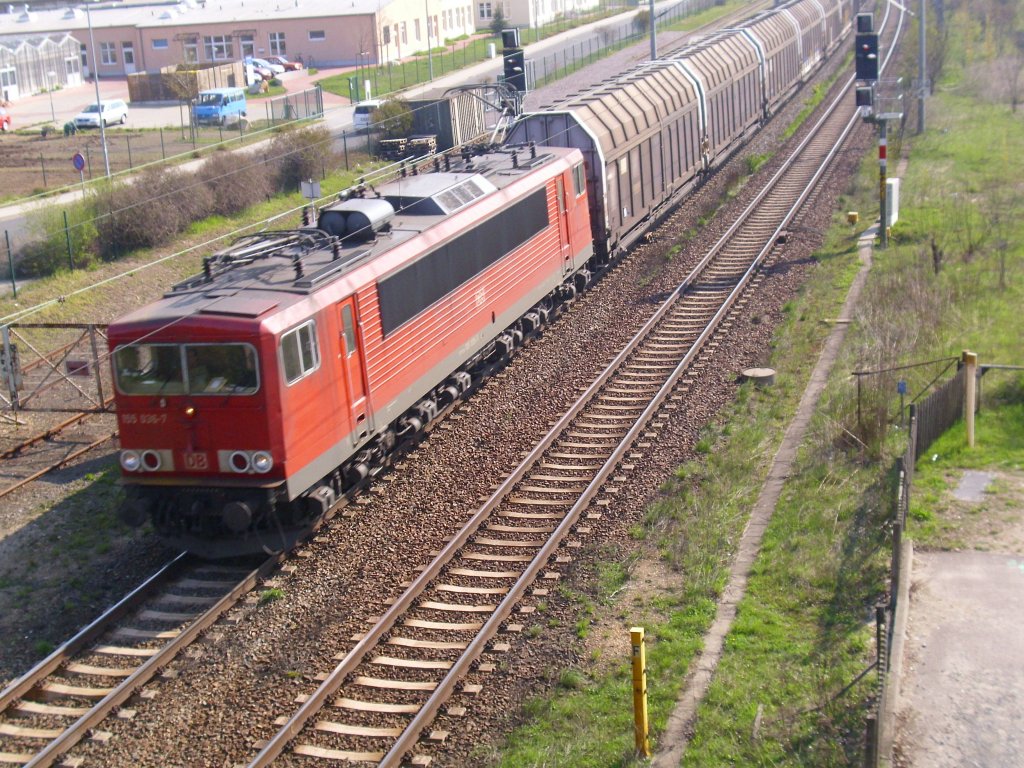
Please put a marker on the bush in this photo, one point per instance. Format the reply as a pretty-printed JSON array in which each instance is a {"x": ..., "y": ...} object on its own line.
[
  {"x": 301, "y": 155},
  {"x": 393, "y": 119},
  {"x": 50, "y": 253},
  {"x": 150, "y": 211},
  {"x": 235, "y": 181}
]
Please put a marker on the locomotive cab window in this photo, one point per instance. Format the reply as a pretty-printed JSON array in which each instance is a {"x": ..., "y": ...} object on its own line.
[
  {"x": 300, "y": 355},
  {"x": 221, "y": 369},
  {"x": 197, "y": 369},
  {"x": 349, "y": 329},
  {"x": 579, "y": 182},
  {"x": 149, "y": 369}
]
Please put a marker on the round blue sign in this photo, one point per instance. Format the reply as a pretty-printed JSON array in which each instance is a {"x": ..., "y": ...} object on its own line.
[{"x": 78, "y": 161}]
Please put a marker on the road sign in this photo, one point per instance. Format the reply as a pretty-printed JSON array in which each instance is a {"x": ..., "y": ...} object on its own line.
[{"x": 78, "y": 160}]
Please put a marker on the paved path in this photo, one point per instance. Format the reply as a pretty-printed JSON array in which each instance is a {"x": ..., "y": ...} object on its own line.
[{"x": 961, "y": 700}]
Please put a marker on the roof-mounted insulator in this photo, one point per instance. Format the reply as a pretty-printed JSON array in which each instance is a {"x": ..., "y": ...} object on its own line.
[
  {"x": 297, "y": 264},
  {"x": 335, "y": 249},
  {"x": 307, "y": 216},
  {"x": 533, "y": 150},
  {"x": 437, "y": 165},
  {"x": 207, "y": 269},
  {"x": 515, "y": 159},
  {"x": 447, "y": 163},
  {"x": 466, "y": 155},
  {"x": 402, "y": 169},
  {"x": 415, "y": 169}
]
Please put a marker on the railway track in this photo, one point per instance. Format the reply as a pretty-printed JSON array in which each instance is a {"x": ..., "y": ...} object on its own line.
[
  {"x": 66, "y": 696},
  {"x": 387, "y": 689}
]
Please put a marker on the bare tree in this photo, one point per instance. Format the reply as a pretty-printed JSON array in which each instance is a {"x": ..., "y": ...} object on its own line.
[{"x": 936, "y": 52}]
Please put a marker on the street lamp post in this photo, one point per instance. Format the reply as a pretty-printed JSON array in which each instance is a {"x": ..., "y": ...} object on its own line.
[
  {"x": 96, "y": 82},
  {"x": 49, "y": 83}
]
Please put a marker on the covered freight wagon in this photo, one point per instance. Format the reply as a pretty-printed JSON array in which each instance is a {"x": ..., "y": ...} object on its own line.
[{"x": 454, "y": 120}]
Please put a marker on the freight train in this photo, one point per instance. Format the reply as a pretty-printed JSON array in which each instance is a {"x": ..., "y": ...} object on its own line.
[{"x": 297, "y": 363}]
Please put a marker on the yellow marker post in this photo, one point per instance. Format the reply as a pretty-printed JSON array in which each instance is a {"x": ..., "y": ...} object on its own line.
[{"x": 636, "y": 636}]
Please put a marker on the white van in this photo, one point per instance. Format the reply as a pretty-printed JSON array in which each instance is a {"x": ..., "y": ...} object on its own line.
[{"x": 363, "y": 117}]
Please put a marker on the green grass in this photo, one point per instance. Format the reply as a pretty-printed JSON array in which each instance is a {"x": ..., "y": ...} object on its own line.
[
  {"x": 270, "y": 596},
  {"x": 804, "y": 630}
]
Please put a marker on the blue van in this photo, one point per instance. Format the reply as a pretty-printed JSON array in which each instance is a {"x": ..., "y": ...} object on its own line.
[{"x": 220, "y": 106}]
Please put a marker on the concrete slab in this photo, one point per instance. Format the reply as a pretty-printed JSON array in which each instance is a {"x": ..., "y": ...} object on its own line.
[
  {"x": 973, "y": 485},
  {"x": 962, "y": 696}
]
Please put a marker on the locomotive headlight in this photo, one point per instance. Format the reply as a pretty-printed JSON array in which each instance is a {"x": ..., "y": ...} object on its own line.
[
  {"x": 262, "y": 462},
  {"x": 240, "y": 461},
  {"x": 151, "y": 461},
  {"x": 130, "y": 461}
]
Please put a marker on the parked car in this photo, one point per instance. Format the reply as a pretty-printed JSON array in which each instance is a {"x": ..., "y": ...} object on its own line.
[
  {"x": 276, "y": 69},
  {"x": 289, "y": 66},
  {"x": 113, "y": 111},
  {"x": 5, "y": 120}
]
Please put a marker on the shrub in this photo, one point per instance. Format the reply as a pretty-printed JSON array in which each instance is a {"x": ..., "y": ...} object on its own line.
[
  {"x": 235, "y": 181},
  {"x": 393, "y": 119},
  {"x": 157, "y": 205},
  {"x": 49, "y": 253},
  {"x": 301, "y": 155}
]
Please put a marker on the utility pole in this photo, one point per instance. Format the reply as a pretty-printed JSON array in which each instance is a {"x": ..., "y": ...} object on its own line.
[
  {"x": 654, "y": 32},
  {"x": 96, "y": 82}
]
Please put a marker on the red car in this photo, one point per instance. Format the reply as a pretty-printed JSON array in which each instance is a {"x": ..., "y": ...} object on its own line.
[{"x": 289, "y": 66}]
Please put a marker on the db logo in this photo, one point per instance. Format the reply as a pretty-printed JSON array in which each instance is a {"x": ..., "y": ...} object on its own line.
[{"x": 196, "y": 461}]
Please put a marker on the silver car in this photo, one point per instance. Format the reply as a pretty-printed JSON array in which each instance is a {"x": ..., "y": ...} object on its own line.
[{"x": 112, "y": 111}]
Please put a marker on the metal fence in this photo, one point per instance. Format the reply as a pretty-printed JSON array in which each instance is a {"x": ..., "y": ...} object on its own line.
[
  {"x": 294, "y": 106},
  {"x": 928, "y": 420}
]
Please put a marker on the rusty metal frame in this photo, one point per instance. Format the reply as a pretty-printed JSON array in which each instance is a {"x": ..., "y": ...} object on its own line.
[{"x": 55, "y": 368}]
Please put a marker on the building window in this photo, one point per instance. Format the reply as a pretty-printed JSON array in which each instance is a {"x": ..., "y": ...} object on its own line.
[
  {"x": 485, "y": 10},
  {"x": 316, "y": 35},
  {"x": 247, "y": 46},
  {"x": 71, "y": 66},
  {"x": 416, "y": 29},
  {"x": 405, "y": 36},
  {"x": 108, "y": 53},
  {"x": 191, "y": 51},
  {"x": 218, "y": 48},
  {"x": 128, "y": 52},
  {"x": 159, "y": 43},
  {"x": 277, "y": 46},
  {"x": 386, "y": 30}
]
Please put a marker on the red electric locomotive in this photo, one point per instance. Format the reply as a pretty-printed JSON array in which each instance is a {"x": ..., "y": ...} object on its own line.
[{"x": 254, "y": 394}]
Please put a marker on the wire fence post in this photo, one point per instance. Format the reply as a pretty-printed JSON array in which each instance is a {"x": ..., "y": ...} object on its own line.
[
  {"x": 10, "y": 263},
  {"x": 88, "y": 161},
  {"x": 128, "y": 140},
  {"x": 163, "y": 152},
  {"x": 67, "y": 238},
  {"x": 344, "y": 146},
  {"x": 42, "y": 164}
]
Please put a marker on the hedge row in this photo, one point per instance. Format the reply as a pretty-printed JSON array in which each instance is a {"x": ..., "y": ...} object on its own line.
[{"x": 156, "y": 205}]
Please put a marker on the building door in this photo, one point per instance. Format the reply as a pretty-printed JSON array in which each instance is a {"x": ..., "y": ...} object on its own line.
[
  {"x": 8, "y": 84},
  {"x": 128, "y": 54},
  {"x": 352, "y": 369}
]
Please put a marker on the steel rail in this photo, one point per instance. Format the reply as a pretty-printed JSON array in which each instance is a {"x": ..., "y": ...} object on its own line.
[
  {"x": 276, "y": 746},
  {"x": 78, "y": 730},
  {"x": 57, "y": 464}
]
